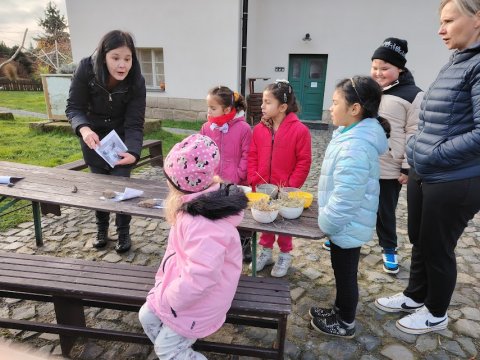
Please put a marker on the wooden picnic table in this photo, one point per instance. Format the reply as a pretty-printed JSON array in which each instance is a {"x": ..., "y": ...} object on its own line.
[{"x": 84, "y": 190}]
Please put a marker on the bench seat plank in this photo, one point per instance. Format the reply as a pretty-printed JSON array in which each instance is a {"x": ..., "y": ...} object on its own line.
[{"x": 72, "y": 284}]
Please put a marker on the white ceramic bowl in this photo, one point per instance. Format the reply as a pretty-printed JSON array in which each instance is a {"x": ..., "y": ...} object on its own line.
[
  {"x": 246, "y": 189},
  {"x": 290, "y": 212},
  {"x": 264, "y": 216},
  {"x": 269, "y": 189}
]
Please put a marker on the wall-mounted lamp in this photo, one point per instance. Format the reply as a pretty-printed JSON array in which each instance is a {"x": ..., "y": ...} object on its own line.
[{"x": 307, "y": 37}]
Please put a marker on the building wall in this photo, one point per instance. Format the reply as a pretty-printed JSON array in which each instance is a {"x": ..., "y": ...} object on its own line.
[
  {"x": 201, "y": 40},
  {"x": 348, "y": 31}
]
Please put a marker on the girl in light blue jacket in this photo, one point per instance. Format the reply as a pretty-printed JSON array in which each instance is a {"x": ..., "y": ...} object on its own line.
[{"x": 348, "y": 192}]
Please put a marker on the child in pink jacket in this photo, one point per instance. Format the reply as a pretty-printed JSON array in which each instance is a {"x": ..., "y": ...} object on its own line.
[
  {"x": 198, "y": 276},
  {"x": 226, "y": 125}
]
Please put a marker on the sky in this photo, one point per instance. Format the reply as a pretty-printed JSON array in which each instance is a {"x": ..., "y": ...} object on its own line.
[{"x": 17, "y": 15}]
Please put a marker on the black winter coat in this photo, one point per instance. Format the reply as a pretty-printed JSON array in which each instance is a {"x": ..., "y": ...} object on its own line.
[{"x": 122, "y": 109}]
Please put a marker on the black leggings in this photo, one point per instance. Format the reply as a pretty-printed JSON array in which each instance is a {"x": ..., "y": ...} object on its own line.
[
  {"x": 437, "y": 215},
  {"x": 122, "y": 221},
  {"x": 345, "y": 268}
]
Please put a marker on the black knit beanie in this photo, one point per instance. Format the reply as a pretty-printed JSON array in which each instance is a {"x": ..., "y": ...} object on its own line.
[{"x": 393, "y": 51}]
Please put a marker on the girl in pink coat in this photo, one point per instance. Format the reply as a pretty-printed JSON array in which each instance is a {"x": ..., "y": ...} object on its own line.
[
  {"x": 198, "y": 276},
  {"x": 226, "y": 125}
]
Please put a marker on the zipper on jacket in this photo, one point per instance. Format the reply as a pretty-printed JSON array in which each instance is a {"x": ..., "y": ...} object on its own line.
[
  {"x": 165, "y": 261},
  {"x": 271, "y": 156},
  {"x": 173, "y": 312},
  {"x": 110, "y": 93}
]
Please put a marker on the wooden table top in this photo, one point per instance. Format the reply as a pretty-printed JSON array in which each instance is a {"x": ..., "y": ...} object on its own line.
[{"x": 56, "y": 186}]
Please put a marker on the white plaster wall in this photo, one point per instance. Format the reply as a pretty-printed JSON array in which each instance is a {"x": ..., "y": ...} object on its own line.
[
  {"x": 200, "y": 39},
  {"x": 348, "y": 31}
]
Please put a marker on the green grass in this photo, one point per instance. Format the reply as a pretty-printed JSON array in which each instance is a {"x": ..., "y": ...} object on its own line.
[
  {"x": 24, "y": 100},
  {"x": 190, "y": 125},
  {"x": 19, "y": 143}
]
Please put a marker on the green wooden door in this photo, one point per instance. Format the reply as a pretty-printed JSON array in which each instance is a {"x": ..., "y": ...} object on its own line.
[{"x": 306, "y": 74}]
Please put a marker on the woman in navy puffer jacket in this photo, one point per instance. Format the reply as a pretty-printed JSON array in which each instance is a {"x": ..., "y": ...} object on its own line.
[{"x": 444, "y": 186}]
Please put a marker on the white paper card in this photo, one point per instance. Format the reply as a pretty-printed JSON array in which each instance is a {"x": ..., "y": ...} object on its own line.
[
  {"x": 313, "y": 84},
  {"x": 8, "y": 180},
  {"x": 109, "y": 148},
  {"x": 129, "y": 193}
]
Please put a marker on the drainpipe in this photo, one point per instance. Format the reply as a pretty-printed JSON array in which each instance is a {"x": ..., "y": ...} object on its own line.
[{"x": 243, "y": 59}]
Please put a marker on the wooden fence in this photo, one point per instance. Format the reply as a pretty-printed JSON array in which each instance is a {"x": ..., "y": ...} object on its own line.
[{"x": 20, "y": 85}]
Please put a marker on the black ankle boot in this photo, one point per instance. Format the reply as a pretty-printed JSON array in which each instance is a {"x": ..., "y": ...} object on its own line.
[
  {"x": 124, "y": 244},
  {"x": 102, "y": 239},
  {"x": 246, "y": 249}
]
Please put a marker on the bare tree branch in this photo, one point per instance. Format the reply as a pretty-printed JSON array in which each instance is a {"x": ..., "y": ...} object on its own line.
[{"x": 16, "y": 52}]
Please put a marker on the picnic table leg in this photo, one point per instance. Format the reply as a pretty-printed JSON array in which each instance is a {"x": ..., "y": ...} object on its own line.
[
  {"x": 37, "y": 221},
  {"x": 254, "y": 254},
  {"x": 281, "y": 334},
  {"x": 68, "y": 312}
]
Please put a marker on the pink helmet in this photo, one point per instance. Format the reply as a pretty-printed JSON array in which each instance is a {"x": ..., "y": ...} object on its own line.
[{"x": 191, "y": 164}]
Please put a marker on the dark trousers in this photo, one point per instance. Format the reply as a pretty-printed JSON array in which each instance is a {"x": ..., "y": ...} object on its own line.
[
  {"x": 386, "y": 219},
  {"x": 122, "y": 221},
  {"x": 437, "y": 215},
  {"x": 345, "y": 268}
]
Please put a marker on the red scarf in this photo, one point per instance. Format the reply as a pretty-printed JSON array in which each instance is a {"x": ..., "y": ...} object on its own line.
[{"x": 222, "y": 119}]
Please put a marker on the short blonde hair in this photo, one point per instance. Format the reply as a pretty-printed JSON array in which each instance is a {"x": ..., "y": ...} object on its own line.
[{"x": 466, "y": 7}]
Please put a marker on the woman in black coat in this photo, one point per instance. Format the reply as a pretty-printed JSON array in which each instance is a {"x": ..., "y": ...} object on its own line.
[{"x": 108, "y": 93}]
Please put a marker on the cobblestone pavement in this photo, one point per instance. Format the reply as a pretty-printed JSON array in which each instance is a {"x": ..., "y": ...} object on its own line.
[{"x": 311, "y": 279}]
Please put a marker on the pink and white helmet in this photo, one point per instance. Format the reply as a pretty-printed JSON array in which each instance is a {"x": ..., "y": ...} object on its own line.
[{"x": 192, "y": 163}]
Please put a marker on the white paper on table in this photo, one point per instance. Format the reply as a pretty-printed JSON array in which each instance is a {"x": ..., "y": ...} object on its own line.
[
  {"x": 129, "y": 193},
  {"x": 7, "y": 180},
  {"x": 109, "y": 148}
]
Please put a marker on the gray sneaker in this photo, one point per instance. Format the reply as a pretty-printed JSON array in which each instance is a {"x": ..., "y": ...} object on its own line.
[
  {"x": 322, "y": 312},
  {"x": 265, "y": 258},
  {"x": 282, "y": 265},
  {"x": 334, "y": 326}
]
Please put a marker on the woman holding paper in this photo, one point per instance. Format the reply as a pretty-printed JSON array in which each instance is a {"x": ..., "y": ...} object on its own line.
[{"x": 108, "y": 93}]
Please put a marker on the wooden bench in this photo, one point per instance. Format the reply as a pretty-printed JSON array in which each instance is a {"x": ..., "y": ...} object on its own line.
[
  {"x": 72, "y": 284},
  {"x": 154, "y": 157}
]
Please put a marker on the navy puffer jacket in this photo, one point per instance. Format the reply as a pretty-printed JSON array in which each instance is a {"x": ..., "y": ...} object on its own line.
[{"x": 446, "y": 146}]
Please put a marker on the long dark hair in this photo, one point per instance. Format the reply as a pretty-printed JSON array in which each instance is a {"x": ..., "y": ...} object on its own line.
[
  {"x": 283, "y": 92},
  {"x": 366, "y": 92},
  {"x": 110, "y": 41}
]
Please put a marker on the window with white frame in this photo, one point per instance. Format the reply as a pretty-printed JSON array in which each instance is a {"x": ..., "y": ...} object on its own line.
[{"x": 151, "y": 63}]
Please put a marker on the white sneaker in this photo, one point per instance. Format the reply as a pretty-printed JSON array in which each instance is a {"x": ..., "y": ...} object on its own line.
[
  {"x": 396, "y": 303},
  {"x": 282, "y": 265},
  {"x": 421, "y": 322},
  {"x": 265, "y": 258}
]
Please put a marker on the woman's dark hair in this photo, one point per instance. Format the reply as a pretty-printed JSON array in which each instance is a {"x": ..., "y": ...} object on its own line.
[
  {"x": 110, "y": 41},
  {"x": 283, "y": 92},
  {"x": 227, "y": 97},
  {"x": 366, "y": 92}
]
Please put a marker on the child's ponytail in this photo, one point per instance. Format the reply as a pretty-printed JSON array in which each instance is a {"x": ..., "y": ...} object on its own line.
[{"x": 385, "y": 124}]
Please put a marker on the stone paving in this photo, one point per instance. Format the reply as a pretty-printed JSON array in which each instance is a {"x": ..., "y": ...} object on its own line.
[{"x": 312, "y": 283}]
